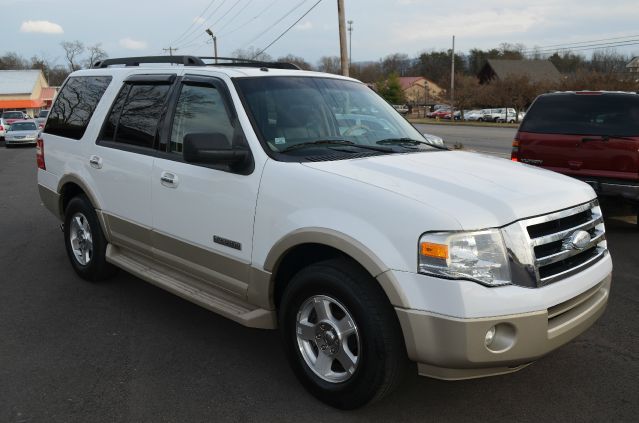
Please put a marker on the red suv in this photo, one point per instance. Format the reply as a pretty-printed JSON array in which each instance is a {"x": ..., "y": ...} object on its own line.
[{"x": 592, "y": 136}]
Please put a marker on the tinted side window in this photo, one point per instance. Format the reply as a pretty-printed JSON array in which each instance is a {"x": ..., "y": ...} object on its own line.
[
  {"x": 605, "y": 114},
  {"x": 75, "y": 105},
  {"x": 140, "y": 114},
  {"x": 111, "y": 122},
  {"x": 200, "y": 109}
]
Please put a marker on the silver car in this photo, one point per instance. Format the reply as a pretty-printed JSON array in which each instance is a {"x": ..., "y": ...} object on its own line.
[
  {"x": 22, "y": 132},
  {"x": 42, "y": 118}
]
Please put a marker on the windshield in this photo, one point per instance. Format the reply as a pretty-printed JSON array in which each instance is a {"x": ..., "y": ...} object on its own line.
[
  {"x": 23, "y": 126},
  {"x": 325, "y": 113},
  {"x": 12, "y": 115},
  {"x": 43, "y": 113}
]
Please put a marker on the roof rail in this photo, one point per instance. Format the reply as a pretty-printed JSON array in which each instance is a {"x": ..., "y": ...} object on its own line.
[
  {"x": 248, "y": 63},
  {"x": 193, "y": 61},
  {"x": 136, "y": 61}
]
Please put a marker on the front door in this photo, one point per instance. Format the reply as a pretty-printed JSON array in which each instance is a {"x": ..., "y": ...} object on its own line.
[{"x": 203, "y": 214}]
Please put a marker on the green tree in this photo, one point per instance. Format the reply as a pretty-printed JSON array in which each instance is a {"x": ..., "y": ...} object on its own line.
[{"x": 391, "y": 89}]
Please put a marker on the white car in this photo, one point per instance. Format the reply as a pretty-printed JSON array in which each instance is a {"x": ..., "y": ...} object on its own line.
[
  {"x": 476, "y": 115},
  {"x": 21, "y": 132},
  {"x": 254, "y": 192},
  {"x": 3, "y": 128}
]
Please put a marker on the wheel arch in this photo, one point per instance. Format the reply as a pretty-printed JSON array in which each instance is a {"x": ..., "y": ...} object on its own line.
[
  {"x": 71, "y": 186},
  {"x": 309, "y": 245}
]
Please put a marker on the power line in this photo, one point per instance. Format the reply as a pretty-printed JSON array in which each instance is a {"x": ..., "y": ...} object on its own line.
[
  {"x": 234, "y": 16},
  {"x": 589, "y": 47},
  {"x": 227, "y": 12},
  {"x": 250, "y": 20},
  {"x": 194, "y": 21},
  {"x": 289, "y": 28},
  {"x": 579, "y": 42},
  {"x": 273, "y": 25},
  {"x": 195, "y": 33}
]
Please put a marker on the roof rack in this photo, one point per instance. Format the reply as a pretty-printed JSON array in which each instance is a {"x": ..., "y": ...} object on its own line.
[{"x": 193, "y": 61}]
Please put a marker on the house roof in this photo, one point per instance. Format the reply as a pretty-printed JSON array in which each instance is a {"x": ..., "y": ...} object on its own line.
[
  {"x": 407, "y": 81},
  {"x": 634, "y": 63},
  {"x": 535, "y": 70},
  {"x": 48, "y": 93},
  {"x": 18, "y": 81}
]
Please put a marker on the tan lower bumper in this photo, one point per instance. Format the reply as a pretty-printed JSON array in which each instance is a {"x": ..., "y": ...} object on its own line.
[
  {"x": 51, "y": 200},
  {"x": 451, "y": 348}
]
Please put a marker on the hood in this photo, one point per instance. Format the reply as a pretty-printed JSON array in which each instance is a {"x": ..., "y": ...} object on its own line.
[{"x": 479, "y": 191}]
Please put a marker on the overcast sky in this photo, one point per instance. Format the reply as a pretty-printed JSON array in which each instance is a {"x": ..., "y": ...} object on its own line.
[{"x": 381, "y": 27}]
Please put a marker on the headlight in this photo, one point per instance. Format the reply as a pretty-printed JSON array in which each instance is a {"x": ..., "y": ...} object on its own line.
[{"x": 476, "y": 256}]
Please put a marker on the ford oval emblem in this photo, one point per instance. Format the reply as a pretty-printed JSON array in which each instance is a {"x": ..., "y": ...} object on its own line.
[{"x": 577, "y": 241}]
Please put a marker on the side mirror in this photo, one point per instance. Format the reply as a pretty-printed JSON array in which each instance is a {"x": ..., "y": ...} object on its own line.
[
  {"x": 434, "y": 140},
  {"x": 212, "y": 148}
]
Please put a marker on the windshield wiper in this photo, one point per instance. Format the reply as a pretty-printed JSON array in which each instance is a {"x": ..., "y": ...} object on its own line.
[
  {"x": 337, "y": 142},
  {"x": 317, "y": 142},
  {"x": 401, "y": 141}
]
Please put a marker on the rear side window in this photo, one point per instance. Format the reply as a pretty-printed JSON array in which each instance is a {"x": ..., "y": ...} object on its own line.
[
  {"x": 135, "y": 115},
  {"x": 75, "y": 104},
  {"x": 603, "y": 114}
]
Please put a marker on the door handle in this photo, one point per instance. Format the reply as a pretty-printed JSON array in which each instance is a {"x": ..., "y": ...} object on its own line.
[
  {"x": 168, "y": 179},
  {"x": 95, "y": 162}
]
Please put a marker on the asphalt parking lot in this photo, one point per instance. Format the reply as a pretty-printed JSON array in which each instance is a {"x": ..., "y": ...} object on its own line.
[
  {"x": 72, "y": 351},
  {"x": 482, "y": 139}
]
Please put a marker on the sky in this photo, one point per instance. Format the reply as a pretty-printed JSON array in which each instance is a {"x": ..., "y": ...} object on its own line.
[{"x": 380, "y": 27}]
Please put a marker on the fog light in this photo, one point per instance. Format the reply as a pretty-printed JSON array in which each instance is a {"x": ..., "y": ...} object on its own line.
[{"x": 490, "y": 335}]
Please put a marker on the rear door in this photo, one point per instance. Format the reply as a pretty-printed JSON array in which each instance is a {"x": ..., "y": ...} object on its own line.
[
  {"x": 594, "y": 134},
  {"x": 122, "y": 162}
]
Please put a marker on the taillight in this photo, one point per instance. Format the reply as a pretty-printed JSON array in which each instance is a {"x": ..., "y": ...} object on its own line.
[
  {"x": 514, "y": 154},
  {"x": 1, "y": 128},
  {"x": 40, "y": 153}
]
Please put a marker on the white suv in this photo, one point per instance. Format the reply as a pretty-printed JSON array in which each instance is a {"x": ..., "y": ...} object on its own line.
[{"x": 254, "y": 191}]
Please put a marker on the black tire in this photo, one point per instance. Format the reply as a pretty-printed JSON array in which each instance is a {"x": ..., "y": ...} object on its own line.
[
  {"x": 480, "y": 120},
  {"x": 381, "y": 350},
  {"x": 96, "y": 269}
]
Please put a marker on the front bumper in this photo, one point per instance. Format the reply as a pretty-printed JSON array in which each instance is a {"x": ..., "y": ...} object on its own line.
[
  {"x": 454, "y": 348},
  {"x": 19, "y": 141},
  {"x": 615, "y": 188}
]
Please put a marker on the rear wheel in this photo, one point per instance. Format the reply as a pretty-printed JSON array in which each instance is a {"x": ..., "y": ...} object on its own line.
[
  {"x": 341, "y": 334},
  {"x": 85, "y": 242}
]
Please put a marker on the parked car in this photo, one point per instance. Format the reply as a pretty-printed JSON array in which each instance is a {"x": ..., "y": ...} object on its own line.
[
  {"x": 401, "y": 108},
  {"x": 13, "y": 115},
  {"x": 3, "y": 128},
  {"x": 441, "y": 114},
  {"x": 253, "y": 191},
  {"x": 477, "y": 115},
  {"x": 42, "y": 118},
  {"x": 21, "y": 132},
  {"x": 592, "y": 136}
]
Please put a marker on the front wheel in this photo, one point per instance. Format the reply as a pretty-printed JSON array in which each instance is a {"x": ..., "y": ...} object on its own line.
[{"x": 341, "y": 334}]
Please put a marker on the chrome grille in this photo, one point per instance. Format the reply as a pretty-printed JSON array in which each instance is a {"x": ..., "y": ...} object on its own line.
[{"x": 542, "y": 249}]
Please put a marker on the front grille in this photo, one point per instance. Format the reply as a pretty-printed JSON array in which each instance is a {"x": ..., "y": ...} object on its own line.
[{"x": 555, "y": 255}]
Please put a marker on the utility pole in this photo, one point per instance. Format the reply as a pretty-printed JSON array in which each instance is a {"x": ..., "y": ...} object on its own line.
[
  {"x": 170, "y": 50},
  {"x": 350, "y": 44},
  {"x": 342, "y": 37},
  {"x": 208, "y": 31},
  {"x": 452, "y": 83}
]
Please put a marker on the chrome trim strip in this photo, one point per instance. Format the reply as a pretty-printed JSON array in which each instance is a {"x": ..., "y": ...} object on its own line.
[
  {"x": 554, "y": 258},
  {"x": 562, "y": 213},
  {"x": 547, "y": 239},
  {"x": 576, "y": 269}
]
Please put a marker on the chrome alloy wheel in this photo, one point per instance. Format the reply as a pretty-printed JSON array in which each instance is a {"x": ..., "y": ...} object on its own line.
[
  {"x": 81, "y": 239},
  {"x": 328, "y": 338}
]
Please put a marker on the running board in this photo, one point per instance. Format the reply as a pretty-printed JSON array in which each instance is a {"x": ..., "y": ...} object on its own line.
[{"x": 192, "y": 289}]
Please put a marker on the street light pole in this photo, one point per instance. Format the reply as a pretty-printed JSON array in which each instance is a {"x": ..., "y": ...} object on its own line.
[
  {"x": 208, "y": 31},
  {"x": 452, "y": 83}
]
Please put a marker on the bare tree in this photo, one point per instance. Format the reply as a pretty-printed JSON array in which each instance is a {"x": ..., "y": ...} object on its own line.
[
  {"x": 12, "y": 61},
  {"x": 330, "y": 64},
  {"x": 251, "y": 53},
  {"x": 296, "y": 60},
  {"x": 96, "y": 53},
  {"x": 72, "y": 49}
]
